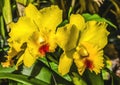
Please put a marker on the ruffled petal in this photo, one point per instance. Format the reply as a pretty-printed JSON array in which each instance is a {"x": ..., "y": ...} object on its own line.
[
  {"x": 22, "y": 29},
  {"x": 93, "y": 61},
  {"x": 51, "y": 17},
  {"x": 20, "y": 32},
  {"x": 96, "y": 56},
  {"x": 33, "y": 13},
  {"x": 95, "y": 33},
  {"x": 15, "y": 45},
  {"x": 80, "y": 66}
]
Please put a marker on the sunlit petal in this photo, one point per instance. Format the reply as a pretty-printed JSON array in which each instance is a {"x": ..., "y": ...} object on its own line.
[
  {"x": 22, "y": 29},
  {"x": 51, "y": 17},
  {"x": 33, "y": 13},
  {"x": 78, "y": 21},
  {"x": 65, "y": 63}
]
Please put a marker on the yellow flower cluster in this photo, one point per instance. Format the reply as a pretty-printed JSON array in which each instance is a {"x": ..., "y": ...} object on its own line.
[{"x": 36, "y": 33}]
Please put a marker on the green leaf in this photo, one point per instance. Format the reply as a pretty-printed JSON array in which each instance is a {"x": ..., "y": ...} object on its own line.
[
  {"x": 54, "y": 67},
  {"x": 38, "y": 71},
  {"x": 96, "y": 17},
  {"x": 22, "y": 79},
  {"x": 105, "y": 74},
  {"x": 77, "y": 79},
  {"x": 44, "y": 75},
  {"x": 11, "y": 82},
  {"x": 27, "y": 71},
  {"x": 7, "y": 13},
  {"x": 7, "y": 69},
  {"x": 63, "y": 23},
  {"x": 2, "y": 29},
  {"x": 93, "y": 79}
]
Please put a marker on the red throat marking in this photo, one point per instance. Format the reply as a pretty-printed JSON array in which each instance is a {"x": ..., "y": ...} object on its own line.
[
  {"x": 44, "y": 49},
  {"x": 89, "y": 64}
]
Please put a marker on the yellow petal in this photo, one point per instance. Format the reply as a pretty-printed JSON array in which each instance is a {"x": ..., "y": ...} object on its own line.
[
  {"x": 28, "y": 59},
  {"x": 20, "y": 61},
  {"x": 22, "y": 29},
  {"x": 20, "y": 32},
  {"x": 47, "y": 18},
  {"x": 15, "y": 45},
  {"x": 6, "y": 64},
  {"x": 95, "y": 33},
  {"x": 9, "y": 62},
  {"x": 52, "y": 42},
  {"x": 34, "y": 14},
  {"x": 80, "y": 66},
  {"x": 51, "y": 17},
  {"x": 12, "y": 52},
  {"x": 33, "y": 47},
  {"x": 64, "y": 64},
  {"x": 78, "y": 21},
  {"x": 67, "y": 36}
]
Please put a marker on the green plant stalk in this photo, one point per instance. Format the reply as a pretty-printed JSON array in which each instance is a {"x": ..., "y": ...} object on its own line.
[
  {"x": 2, "y": 29},
  {"x": 7, "y": 13},
  {"x": 69, "y": 12},
  {"x": 112, "y": 81},
  {"x": 22, "y": 79},
  {"x": 52, "y": 59}
]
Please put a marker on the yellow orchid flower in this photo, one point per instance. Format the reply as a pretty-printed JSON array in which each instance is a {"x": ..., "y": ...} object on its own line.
[
  {"x": 67, "y": 39},
  {"x": 35, "y": 30},
  {"x": 87, "y": 50}
]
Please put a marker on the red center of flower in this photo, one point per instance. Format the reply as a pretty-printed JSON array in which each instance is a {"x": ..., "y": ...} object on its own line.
[
  {"x": 89, "y": 64},
  {"x": 44, "y": 49}
]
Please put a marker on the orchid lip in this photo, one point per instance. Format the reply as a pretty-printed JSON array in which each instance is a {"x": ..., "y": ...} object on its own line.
[{"x": 44, "y": 49}]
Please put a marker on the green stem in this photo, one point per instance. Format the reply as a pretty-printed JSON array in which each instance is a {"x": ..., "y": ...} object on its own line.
[
  {"x": 22, "y": 79},
  {"x": 52, "y": 59},
  {"x": 7, "y": 13},
  {"x": 2, "y": 29}
]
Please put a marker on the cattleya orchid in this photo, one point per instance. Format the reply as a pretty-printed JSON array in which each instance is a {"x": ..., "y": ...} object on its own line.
[
  {"x": 83, "y": 44},
  {"x": 33, "y": 35}
]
